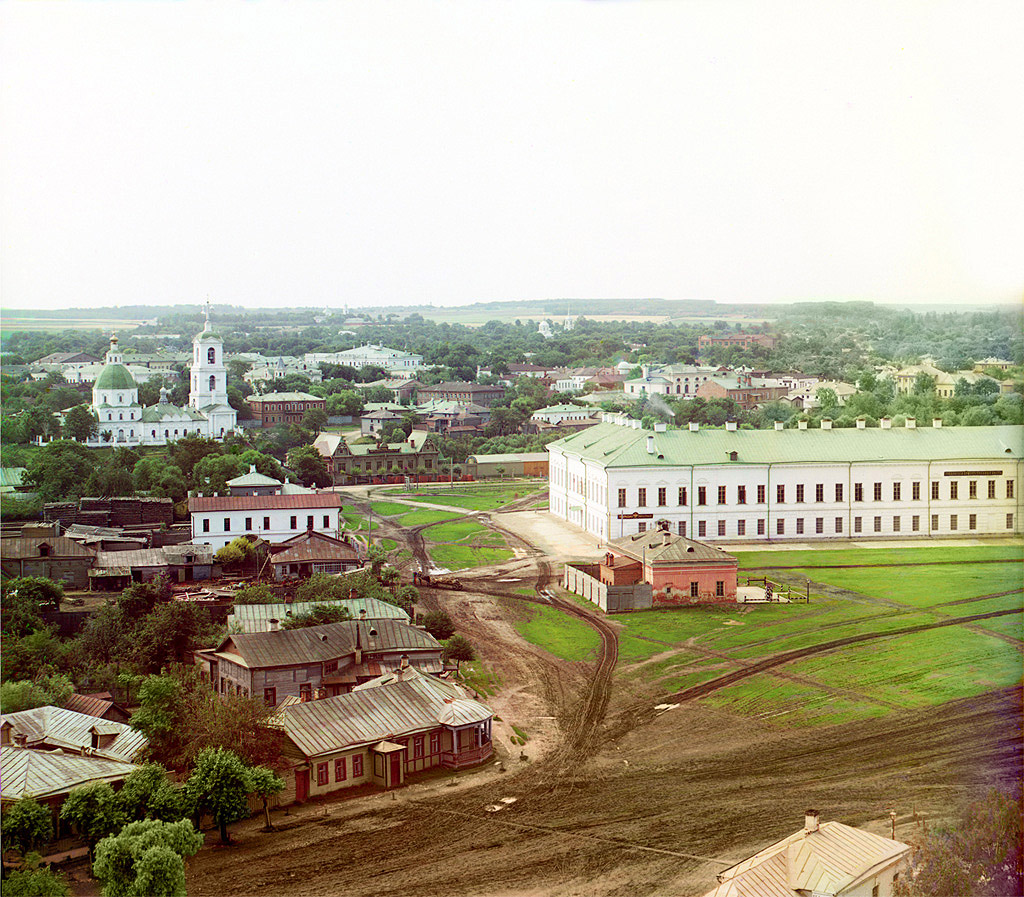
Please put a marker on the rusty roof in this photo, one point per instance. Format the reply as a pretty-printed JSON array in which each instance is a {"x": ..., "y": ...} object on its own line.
[
  {"x": 826, "y": 861},
  {"x": 312, "y": 546},
  {"x": 376, "y": 714},
  {"x": 39, "y": 774},
  {"x": 91, "y": 705},
  {"x": 254, "y": 503},
  {"x": 314, "y": 644},
  {"x": 62, "y": 728},
  {"x": 28, "y": 547}
]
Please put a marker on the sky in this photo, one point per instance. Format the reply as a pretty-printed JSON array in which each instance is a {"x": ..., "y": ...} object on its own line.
[{"x": 365, "y": 153}]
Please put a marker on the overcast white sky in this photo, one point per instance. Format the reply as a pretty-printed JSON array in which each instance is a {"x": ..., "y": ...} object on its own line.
[{"x": 273, "y": 154}]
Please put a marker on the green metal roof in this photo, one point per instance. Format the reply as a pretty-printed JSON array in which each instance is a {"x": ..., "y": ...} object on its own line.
[
  {"x": 613, "y": 446},
  {"x": 115, "y": 376},
  {"x": 167, "y": 411},
  {"x": 208, "y": 334}
]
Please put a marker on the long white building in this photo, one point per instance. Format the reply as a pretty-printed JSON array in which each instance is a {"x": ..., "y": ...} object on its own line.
[
  {"x": 616, "y": 479},
  {"x": 394, "y": 361}
]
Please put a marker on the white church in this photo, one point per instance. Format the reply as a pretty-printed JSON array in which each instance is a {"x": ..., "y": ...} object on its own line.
[{"x": 123, "y": 421}]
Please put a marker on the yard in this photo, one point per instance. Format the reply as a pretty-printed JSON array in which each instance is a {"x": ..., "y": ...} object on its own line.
[
  {"x": 474, "y": 497},
  {"x": 670, "y": 650}
]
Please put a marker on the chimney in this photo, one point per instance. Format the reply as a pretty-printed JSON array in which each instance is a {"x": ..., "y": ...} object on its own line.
[
  {"x": 730, "y": 425},
  {"x": 362, "y": 613},
  {"x": 861, "y": 423},
  {"x": 274, "y": 624},
  {"x": 660, "y": 427},
  {"x": 911, "y": 423},
  {"x": 412, "y": 442},
  {"x": 826, "y": 423},
  {"x": 252, "y": 468},
  {"x": 609, "y": 558},
  {"x": 885, "y": 423},
  {"x": 801, "y": 425},
  {"x": 650, "y": 445},
  {"x": 352, "y": 594},
  {"x": 937, "y": 423},
  {"x": 359, "y": 647},
  {"x": 694, "y": 426},
  {"x": 810, "y": 821},
  {"x": 20, "y": 739},
  {"x": 780, "y": 425},
  {"x": 403, "y": 663},
  {"x": 637, "y": 424}
]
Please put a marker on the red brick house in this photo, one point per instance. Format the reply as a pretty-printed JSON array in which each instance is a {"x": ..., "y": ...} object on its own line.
[
  {"x": 464, "y": 393},
  {"x": 283, "y": 407},
  {"x": 679, "y": 570},
  {"x": 747, "y": 391}
]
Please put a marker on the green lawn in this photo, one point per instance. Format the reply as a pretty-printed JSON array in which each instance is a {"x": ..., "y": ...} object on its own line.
[
  {"x": 478, "y": 675},
  {"x": 922, "y": 586},
  {"x": 457, "y": 529},
  {"x": 463, "y": 557},
  {"x": 389, "y": 508},
  {"x": 476, "y": 498},
  {"x": 415, "y": 518},
  {"x": 558, "y": 633},
  {"x": 828, "y": 557}
]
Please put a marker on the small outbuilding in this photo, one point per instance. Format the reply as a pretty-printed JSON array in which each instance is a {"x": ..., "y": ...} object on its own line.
[{"x": 313, "y": 552}]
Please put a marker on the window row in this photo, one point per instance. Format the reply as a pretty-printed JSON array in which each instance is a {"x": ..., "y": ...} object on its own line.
[
  {"x": 340, "y": 770},
  {"x": 820, "y": 525},
  {"x": 799, "y": 493},
  {"x": 248, "y": 528}
]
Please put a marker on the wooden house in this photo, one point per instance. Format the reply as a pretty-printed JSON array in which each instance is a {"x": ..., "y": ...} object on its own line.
[
  {"x": 315, "y": 660},
  {"x": 55, "y": 557},
  {"x": 822, "y": 859},
  {"x": 312, "y": 552},
  {"x": 403, "y": 723}
]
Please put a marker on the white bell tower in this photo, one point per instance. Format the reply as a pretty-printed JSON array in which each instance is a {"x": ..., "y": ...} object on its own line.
[{"x": 209, "y": 384}]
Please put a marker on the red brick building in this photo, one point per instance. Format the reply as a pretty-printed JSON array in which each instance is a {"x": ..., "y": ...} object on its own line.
[
  {"x": 463, "y": 393},
  {"x": 283, "y": 407},
  {"x": 741, "y": 340}
]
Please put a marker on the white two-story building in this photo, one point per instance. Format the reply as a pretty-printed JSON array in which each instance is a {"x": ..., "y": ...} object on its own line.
[{"x": 800, "y": 484}]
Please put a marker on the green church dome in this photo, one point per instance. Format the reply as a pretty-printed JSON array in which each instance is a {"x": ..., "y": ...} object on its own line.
[{"x": 115, "y": 376}]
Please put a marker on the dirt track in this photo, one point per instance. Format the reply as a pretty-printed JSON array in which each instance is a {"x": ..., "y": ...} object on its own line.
[{"x": 655, "y": 806}]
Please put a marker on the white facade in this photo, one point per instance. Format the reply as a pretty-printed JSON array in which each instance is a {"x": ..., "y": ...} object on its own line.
[
  {"x": 555, "y": 414},
  {"x": 123, "y": 421},
  {"x": 799, "y": 500},
  {"x": 219, "y": 527},
  {"x": 392, "y": 360}
]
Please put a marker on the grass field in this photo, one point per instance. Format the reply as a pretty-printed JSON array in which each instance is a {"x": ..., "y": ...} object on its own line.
[
  {"x": 389, "y": 508},
  {"x": 416, "y": 518},
  {"x": 557, "y": 633},
  {"x": 463, "y": 557},
  {"x": 475, "y": 498},
  {"x": 856, "y": 681},
  {"x": 455, "y": 530}
]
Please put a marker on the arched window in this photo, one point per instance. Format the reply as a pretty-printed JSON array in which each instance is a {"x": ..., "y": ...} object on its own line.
[
  {"x": 153, "y": 433},
  {"x": 213, "y": 381},
  {"x": 120, "y": 400},
  {"x": 211, "y": 355},
  {"x": 120, "y": 417},
  {"x": 110, "y": 415}
]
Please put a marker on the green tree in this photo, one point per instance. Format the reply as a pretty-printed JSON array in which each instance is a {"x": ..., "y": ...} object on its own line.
[
  {"x": 146, "y": 859},
  {"x": 309, "y": 466},
  {"x": 167, "y": 634},
  {"x": 190, "y": 450},
  {"x": 265, "y": 783},
  {"x": 439, "y": 625},
  {"x": 314, "y": 420},
  {"x": 458, "y": 648},
  {"x": 60, "y": 470},
  {"x": 828, "y": 401},
  {"x": 160, "y": 707},
  {"x": 236, "y": 552},
  {"x": 979, "y": 857},
  {"x": 924, "y": 384},
  {"x": 45, "y": 690},
  {"x": 220, "y": 785},
  {"x": 377, "y": 555},
  {"x": 255, "y": 593},
  {"x": 94, "y": 811},
  {"x": 39, "y": 590},
  {"x": 36, "y": 882},
  {"x": 212, "y": 473},
  {"x": 148, "y": 793},
  {"x": 318, "y": 616},
  {"x": 26, "y": 825},
  {"x": 81, "y": 423}
]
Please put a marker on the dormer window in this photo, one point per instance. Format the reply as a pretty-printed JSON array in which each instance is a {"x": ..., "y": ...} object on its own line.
[{"x": 44, "y": 549}]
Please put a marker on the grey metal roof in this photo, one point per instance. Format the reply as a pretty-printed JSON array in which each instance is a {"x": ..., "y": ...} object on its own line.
[
  {"x": 38, "y": 774},
  {"x": 156, "y": 557},
  {"x": 60, "y": 727},
  {"x": 826, "y": 861},
  {"x": 666, "y": 547},
  {"x": 28, "y": 547},
  {"x": 376, "y": 714},
  {"x": 314, "y": 644},
  {"x": 257, "y": 617}
]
